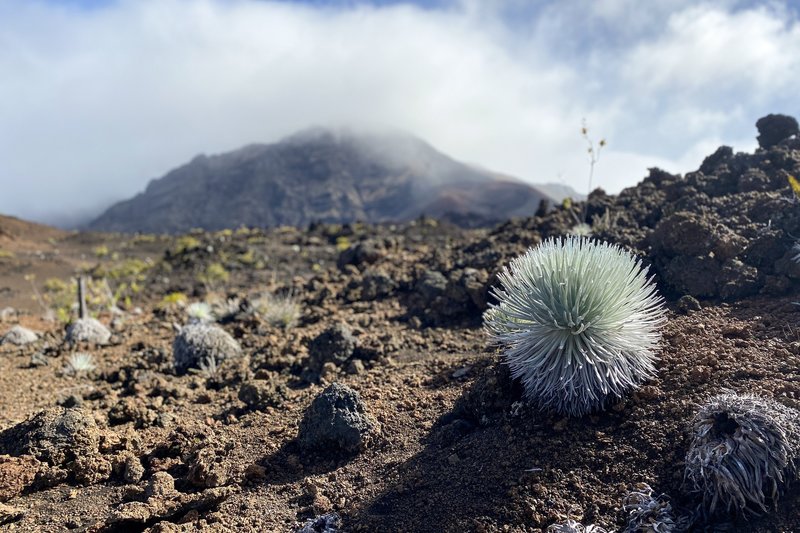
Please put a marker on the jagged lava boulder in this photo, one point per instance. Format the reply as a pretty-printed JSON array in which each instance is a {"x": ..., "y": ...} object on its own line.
[{"x": 337, "y": 419}]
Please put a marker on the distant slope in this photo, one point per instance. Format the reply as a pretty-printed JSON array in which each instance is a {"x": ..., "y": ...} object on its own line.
[
  {"x": 17, "y": 233},
  {"x": 559, "y": 191},
  {"x": 324, "y": 175}
]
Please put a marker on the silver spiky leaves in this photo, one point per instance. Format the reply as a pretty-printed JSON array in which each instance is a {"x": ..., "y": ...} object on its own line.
[
  {"x": 88, "y": 330},
  {"x": 203, "y": 344},
  {"x": 580, "y": 323},
  {"x": 745, "y": 450},
  {"x": 650, "y": 513},
  {"x": 571, "y": 526}
]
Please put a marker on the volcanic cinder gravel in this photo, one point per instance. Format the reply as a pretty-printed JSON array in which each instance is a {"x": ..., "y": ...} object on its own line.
[{"x": 393, "y": 313}]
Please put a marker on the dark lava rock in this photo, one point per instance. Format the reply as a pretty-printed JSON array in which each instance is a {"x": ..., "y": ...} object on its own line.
[
  {"x": 132, "y": 409},
  {"x": 336, "y": 345},
  {"x": 438, "y": 299},
  {"x": 715, "y": 160},
  {"x": 696, "y": 256},
  {"x": 488, "y": 399},
  {"x": 755, "y": 180},
  {"x": 377, "y": 284},
  {"x": 54, "y": 436},
  {"x": 327, "y": 523},
  {"x": 431, "y": 284},
  {"x": 773, "y": 129},
  {"x": 688, "y": 303},
  {"x": 67, "y": 440},
  {"x": 697, "y": 276},
  {"x": 684, "y": 233},
  {"x": 359, "y": 254},
  {"x": 737, "y": 280},
  {"x": 766, "y": 248},
  {"x": 473, "y": 283},
  {"x": 262, "y": 393},
  {"x": 337, "y": 418}
]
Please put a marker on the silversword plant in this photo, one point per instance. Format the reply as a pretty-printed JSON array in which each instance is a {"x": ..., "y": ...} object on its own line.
[
  {"x": 199, "y": 312},
  {"x": 647, "y": 512},
  {"x": 745, "y": 450},
  {"x": 79, "y": 364},
  {"x": 279, "y": 311},
  {"x": 579, "y": 321},
  {"x": 571, "y": 526},
  {"x": 198, "y": 343}
]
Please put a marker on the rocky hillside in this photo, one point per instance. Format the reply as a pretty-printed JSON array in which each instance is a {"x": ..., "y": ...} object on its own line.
[
  {"x": 321, "y": 175},
  {"x": 14, "y": 230}
]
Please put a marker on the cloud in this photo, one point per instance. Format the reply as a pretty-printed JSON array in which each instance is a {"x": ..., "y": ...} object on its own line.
[
  {"x": 707, "y": 53},
  {"x": 95, "y": 102}
]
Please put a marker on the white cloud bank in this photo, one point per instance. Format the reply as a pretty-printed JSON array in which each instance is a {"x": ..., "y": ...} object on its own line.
[{"x": 94, "y": 103}]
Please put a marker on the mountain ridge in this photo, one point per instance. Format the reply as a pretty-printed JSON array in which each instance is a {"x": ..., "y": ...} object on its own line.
[{"x": 320, "y": 174}]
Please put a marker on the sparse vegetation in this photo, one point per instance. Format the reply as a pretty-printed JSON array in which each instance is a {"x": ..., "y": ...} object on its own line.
[
  {"x": 247, "y": 258},
  {"x": 101, "y": 251},
  {"x": 79, "y": 364},
  {"x": 129, "y": 270},
  {"x": 581, "y": 230},
  {"x": 200, "y": 312},
  {"x": 59, "y": 296},
  {"x": 605, "y": 222},
  {"x": 173, "y": 299},
  {"x": 209, "y": 366},
  {"x": 593, "y": 150},
  {"x": 214, "y": 276},
  {"x": 342, "y": 243},
  {"x": 55, "y": 285},
  {"x": 279, "y": 311},
  {"x": 144, "y": 238},
  {"x": 187, "y": 243}
]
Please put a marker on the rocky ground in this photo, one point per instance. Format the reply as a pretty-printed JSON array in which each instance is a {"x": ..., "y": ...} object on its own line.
[{"x": 430, "y": 433}]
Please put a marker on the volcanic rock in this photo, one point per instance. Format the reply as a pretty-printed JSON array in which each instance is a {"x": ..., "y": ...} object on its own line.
[{"x": 337, "y": 419}]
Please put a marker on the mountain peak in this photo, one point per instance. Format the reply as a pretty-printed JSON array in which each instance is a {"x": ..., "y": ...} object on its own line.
[{"x": 320, "y": 174}]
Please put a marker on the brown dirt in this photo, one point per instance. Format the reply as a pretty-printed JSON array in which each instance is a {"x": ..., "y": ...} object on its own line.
[
  {"x": 454, "y": 450},
  {"x": 41, "y": 252}
]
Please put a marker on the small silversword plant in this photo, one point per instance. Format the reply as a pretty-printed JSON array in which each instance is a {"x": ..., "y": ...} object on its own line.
[
  {"x": 571, "y": 526},
  {"x": 79, "y": 364},
  {"x": 579, "y": 321},
  {"x": 197, "y": 344},
  {"x": 745, "y": 450},
  {"x": 279, "y": 311},
  {"x": 647, "y": 512},
  {"x": 200, "y": 312},
  {"x": 209, "y": 366}
]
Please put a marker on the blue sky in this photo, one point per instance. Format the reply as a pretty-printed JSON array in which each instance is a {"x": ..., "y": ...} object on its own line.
[{"x": 100, "y": 96}]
